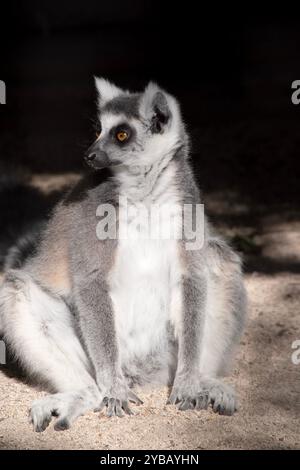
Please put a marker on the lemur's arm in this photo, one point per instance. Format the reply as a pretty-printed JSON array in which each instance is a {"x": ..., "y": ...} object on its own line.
[
  {"x": 194, "y": 293},
  {"x": 96, "y": 319},
  {"x": 97, "y": 327}
]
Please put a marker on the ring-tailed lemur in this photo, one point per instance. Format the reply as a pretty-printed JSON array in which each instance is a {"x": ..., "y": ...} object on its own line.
[{"x": 90, "y": 317}]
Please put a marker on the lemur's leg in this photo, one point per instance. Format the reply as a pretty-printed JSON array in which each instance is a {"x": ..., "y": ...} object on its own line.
[
  {"x": 213, "y": 313},
  {"x": 39, "y": 329},
  {"x": 225, "y": 312}
]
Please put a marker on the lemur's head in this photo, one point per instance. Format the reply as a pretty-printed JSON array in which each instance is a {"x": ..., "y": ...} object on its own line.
[{"x": 135, "y": 128}]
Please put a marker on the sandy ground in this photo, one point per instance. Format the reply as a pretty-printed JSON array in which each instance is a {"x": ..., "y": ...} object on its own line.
[{"x": 267, "y": 381}]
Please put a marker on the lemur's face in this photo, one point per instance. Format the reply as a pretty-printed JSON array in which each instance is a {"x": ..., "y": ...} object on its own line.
[{"x": 135, "y": 129}]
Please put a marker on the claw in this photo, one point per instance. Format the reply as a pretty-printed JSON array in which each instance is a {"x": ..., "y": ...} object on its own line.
[
  {"x": 202, "y": 402},
  {"x": 134, "y": 398},
  {"x": 115, "y": 407},
  {"x": 111, "y": 408},
  {"x": 102, "y": 405},
  {"x": 185, "y": 405},
  {"x": 127, "y": 409},
  {"x": 173, "y": 399}
]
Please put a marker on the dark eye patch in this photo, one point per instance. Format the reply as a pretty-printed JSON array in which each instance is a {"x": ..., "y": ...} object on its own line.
[{"x": 122, "y": 128}]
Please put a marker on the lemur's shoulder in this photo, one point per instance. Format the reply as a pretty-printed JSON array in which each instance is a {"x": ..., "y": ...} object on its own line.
[
  {"x": 186, "y": 181},
  {"x": 94, "y": 186}
]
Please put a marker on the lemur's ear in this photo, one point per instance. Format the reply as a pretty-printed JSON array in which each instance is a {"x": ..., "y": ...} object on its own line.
[
  {"x": 155, "y": 107},
  {"x": 106, "y": 90}
]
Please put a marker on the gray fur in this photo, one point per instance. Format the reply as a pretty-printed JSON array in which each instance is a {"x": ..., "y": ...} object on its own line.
[
  {"x": 24, "y": 248},
  {"x": 124, "y": 104},
  {"x": 62, "y": 297}
]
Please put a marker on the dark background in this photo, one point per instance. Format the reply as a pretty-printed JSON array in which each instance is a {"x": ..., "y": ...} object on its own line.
[{"x": 230, "y": 68}]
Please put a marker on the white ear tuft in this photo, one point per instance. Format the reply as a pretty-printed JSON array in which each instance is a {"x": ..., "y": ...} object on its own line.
[
  {"x": 147, "y": 99},
  {"x": 106, "y": 90},
  {"x": 160, "y": 108}
]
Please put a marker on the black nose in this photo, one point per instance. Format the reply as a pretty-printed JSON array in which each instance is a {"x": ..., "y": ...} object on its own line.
[
  {"x": 92, "y": 152},
  {"x": 96, "y": 158},
  {"x": 91, "y": 156}
]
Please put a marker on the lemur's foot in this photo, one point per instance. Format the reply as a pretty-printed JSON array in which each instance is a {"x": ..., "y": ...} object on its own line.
[
  {"x": 66, "y": 407},
  {"x": 119, "y": 407},
  {"x": 189, "y": 395}
]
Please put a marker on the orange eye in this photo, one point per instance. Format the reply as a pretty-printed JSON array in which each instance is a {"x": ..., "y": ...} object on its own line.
[{"x": 122, "y": 136}]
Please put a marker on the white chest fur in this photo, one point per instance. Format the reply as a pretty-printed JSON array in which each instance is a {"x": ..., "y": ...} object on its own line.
[{"x": 146, "y": 273}]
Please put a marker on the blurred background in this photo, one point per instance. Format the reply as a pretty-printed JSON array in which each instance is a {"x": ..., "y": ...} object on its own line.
[{"x": 231, "y": 69}]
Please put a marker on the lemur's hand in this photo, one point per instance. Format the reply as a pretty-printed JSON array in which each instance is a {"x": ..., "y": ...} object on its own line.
[
  {"x": 198, "y": 393},
  {"x": 117, "y": 400}
]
